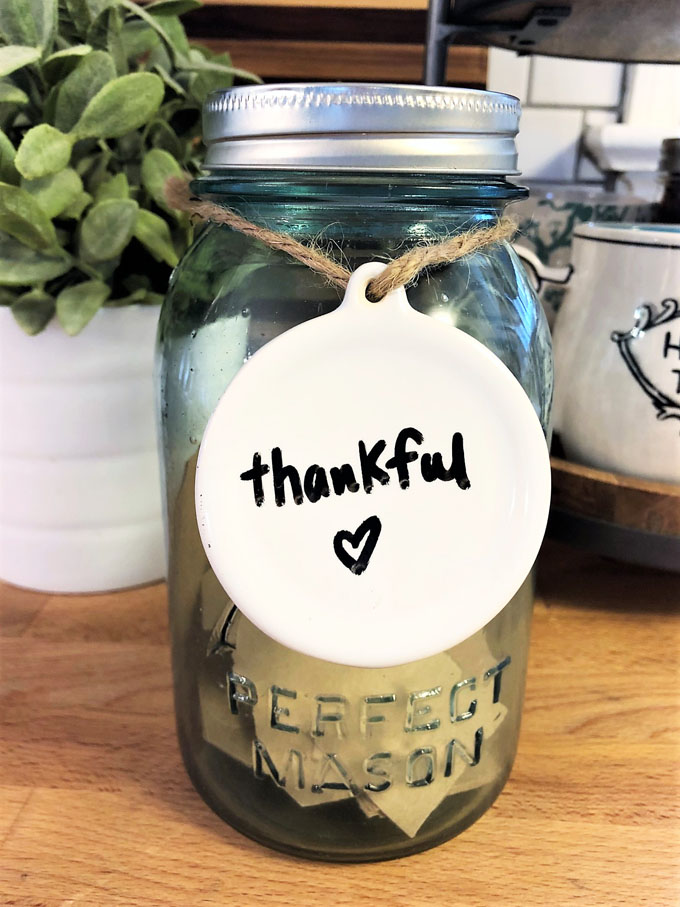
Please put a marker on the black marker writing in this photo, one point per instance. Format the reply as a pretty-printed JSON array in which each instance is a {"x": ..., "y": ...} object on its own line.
[{"x": 315, "y": 482}]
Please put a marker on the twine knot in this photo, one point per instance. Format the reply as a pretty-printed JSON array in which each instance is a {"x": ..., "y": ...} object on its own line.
[{"x": 398, "y": 273}]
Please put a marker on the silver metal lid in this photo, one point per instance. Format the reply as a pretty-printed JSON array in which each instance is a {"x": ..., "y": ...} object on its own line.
[{"x": 395, "y": 128}]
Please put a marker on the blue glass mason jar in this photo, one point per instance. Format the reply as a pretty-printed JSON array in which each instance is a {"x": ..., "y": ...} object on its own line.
[{"x": 312, "y": 758}]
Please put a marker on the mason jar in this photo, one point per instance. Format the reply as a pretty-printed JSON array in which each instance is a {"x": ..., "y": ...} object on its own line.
[{"x": 310, "y": 757}]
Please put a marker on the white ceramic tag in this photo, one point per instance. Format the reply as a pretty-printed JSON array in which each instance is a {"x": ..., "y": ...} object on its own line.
[{"x": 373, "y": 486}]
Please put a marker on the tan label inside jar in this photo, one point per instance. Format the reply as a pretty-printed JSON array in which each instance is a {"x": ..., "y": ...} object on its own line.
[{"x": 400, "y": 740}]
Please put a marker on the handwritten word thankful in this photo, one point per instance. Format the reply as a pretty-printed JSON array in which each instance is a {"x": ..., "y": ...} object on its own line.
[{"x": 316, "y": 482}]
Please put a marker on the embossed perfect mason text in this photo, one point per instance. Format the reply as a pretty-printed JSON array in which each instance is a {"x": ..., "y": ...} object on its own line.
[{"x": 331, "y": 721}]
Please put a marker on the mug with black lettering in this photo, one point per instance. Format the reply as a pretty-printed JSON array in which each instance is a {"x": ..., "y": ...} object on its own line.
[
  {"x": 617, "y": 351},
  {"x": 307, "y": 755}
]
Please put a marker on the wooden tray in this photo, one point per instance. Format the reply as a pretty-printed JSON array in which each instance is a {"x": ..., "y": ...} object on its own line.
[{"x": 622, "y": 517}]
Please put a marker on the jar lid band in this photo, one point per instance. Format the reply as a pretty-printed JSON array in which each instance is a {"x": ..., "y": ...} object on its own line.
[{"x": 397, "y": 128}]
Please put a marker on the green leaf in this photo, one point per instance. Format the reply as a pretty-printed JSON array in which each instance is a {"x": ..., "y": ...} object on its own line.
[
  {"x": 92, "y": 73},
  {"x": 78, "y": 304},
  {"x": 160, "y": 56},
  {"x": 150, "y": 20},
  {"x": 152, "y": 299},
  {"x": 77, "y": 50},
  {"x": 163, "y": 136},
  {"x": 108, "y": 228},
  {"x": 77, "y": 206},
  {"x": 22, "y": 217},
  {"x": 84, "y": 164},
  {"x": 57, "y": 192},
  {"x": 131, "y": 147},
  {"x": 8, "y": 172},
  {"x": 29, "y": 22},
  {"x": 174, "y": 29},
  {"x": 33, "y": 311},
  {"x": 138, "y": 39},
  {"x": 153, "y": 232},
  {"x": 173, "y": 84},
  {"x": 173, "y": 7},
  {"x": 60, "y": 63},
  {"x": 96, "y": 6},
  {"x": 221, "y": 59},
  {"x": 105, "y": 34},
  {"x": 107, "y": 20},
  {"x": 203, "y": 83},
  {"x": 136, "y": 282},
  {"x": 203, "y": 65},
  {"x": 12, "y": 94},
  {"x": 137, "y": 297},
  {"x": 15, "y": 57},
  {"x": 43, "y": 150},
  {"x": 84, "y": 12},
  {"x": 97, "y": 175},
  {"x": 122, "y": 105},
  {"x": 157, "y": 167},
  {"x": 21, "y": 266},
  {"x": 81, "y": 17},
  {"x": 50, "y": 104},
  {"x": 116, "y": 187},
  {"x": 94, "y": 168},
  {"x": 168, "y": 109}
]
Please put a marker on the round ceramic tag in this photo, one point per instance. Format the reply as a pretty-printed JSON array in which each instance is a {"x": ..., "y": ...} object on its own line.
[{"x": 373, "y": 486}]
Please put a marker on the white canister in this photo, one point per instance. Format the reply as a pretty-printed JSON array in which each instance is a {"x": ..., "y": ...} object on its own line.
[
  {"x": 80, "y": 507},
  {"x": 617, "y": 351}
]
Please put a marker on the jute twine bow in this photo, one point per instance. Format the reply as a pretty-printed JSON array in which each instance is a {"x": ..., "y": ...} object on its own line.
[{"x": 398, "y": 273}]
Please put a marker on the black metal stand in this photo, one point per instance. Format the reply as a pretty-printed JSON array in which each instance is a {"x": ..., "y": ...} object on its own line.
[{"x": 446, "y": 26}]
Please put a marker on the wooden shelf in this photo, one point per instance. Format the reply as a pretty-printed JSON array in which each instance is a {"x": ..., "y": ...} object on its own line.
[
  {"x": 367, "y": 42},
  {"x": 328, "y": 4},
  {"x": 348, "y": 61}
]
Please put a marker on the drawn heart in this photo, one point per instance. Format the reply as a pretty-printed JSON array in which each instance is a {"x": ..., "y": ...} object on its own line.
[{"x": 370, "y": 528}]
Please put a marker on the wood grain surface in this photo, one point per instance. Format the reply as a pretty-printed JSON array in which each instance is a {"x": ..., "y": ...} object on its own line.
[
  {"x": 349, "y": 61},
  {"x": 96, "y": 808},
  {"x": 327, "y": 4},
  {"x": 292, "y": 41},
  {"x": 624, "y": 500}
]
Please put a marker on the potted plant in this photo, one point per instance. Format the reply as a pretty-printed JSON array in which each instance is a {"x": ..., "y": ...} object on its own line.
[{"x": 99, "y": 103}]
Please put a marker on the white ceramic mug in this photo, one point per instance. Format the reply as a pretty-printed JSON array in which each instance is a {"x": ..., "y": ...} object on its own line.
[{"x": 617, "y": 350}]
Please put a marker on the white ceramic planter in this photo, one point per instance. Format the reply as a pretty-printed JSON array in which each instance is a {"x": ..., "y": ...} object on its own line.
[{"x": 80, "y": 501}]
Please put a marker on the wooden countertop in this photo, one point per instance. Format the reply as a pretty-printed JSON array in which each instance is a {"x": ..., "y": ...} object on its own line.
[{"x": 97, "y": 809}]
